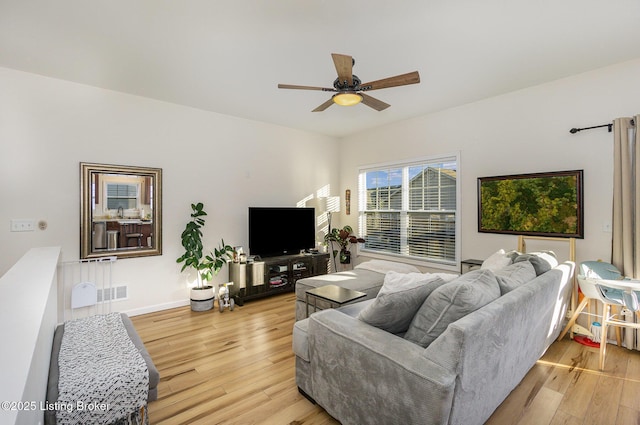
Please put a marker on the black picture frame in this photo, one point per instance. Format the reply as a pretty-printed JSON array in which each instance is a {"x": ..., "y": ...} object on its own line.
[{"x": 534, "y": 204}]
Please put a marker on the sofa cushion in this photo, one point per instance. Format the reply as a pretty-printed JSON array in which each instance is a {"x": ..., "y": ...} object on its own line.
[
  {"x": 400, "y": 297},
  {"x": 496, "y": 261},
  {"x": 300, "y": 339},
  {"x": 514, "y": 275},
  {"x": 450, "y": 302},
  {"x": 447, "y": 277},
  {"x": 542, "y": 261},
  {"x": 513, "y": 254},
  {"x": 384, "y": 266}
]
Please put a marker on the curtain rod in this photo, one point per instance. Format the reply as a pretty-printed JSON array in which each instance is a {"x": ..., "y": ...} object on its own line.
[
  {"x": 575, "y": 130},
  {"x": 609, "y": 127}
]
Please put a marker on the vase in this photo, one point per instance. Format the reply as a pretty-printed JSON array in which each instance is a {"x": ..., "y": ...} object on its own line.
[
  {"x": 345, "y": 256},
  {"x": 202, "y": 298}
]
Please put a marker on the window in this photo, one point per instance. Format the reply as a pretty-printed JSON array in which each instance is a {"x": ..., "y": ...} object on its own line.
[
  {"x": 409, "y": 209},
  {"x": 122, "y": 195}
]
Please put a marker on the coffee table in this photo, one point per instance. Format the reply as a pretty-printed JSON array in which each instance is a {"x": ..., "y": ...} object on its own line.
[{"x": 334, "y": 294}]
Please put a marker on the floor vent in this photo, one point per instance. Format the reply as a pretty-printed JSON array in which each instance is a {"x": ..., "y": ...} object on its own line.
[{"x": 113, "y": 294}]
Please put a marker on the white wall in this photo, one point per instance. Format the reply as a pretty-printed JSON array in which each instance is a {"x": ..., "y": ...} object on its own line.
[
  {"x": 49, "y": 126},
  {"x": 519, "y": 132}
]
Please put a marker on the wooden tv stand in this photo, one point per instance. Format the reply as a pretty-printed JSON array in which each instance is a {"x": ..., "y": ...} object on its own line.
[{"x": 273, "y": 275}]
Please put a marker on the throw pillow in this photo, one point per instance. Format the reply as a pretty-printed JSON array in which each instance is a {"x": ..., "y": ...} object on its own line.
[
  {"x": 513, "y": 254},
  {"x": 514, "y": 275},
  {"x": 451, "y": 302},
  {"x": 447, "y": 277},
  {"x": 496, "y": 261},
  {"x": 542, "y": 261},
  {"x": 398, "y": 300}
]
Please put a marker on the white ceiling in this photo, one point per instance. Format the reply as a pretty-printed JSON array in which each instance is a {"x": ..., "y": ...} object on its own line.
[{"x": 228, "y": 56}]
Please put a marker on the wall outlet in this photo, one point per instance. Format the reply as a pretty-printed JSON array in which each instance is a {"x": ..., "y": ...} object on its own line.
[
  {"x": 606, "y": 227},
  {"x": 22, "y": 225}
]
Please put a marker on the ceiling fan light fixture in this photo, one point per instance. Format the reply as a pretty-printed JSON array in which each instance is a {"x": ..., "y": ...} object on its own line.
[{"x": 349, "y": 98}]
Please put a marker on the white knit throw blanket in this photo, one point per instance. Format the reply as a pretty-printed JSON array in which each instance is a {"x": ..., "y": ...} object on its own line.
[{"x": 103, "y": 378}]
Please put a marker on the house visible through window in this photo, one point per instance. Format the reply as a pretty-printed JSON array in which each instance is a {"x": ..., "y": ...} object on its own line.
[
  {"x": 409, "y": 209},
  {"x": 122, "y": 195}
]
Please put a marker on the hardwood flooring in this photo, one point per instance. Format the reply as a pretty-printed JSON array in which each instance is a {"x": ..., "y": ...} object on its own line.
[{"x": 238, "y": 368}]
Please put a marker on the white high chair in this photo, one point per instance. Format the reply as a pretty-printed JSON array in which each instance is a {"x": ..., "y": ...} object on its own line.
[{"x": 603, "y": 282}]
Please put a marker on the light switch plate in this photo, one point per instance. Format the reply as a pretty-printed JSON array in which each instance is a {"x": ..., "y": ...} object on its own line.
[{"x": 23, "y": 225}]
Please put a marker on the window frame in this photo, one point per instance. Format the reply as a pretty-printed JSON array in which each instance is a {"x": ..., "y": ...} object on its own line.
[{"x": 404, "y": 165}]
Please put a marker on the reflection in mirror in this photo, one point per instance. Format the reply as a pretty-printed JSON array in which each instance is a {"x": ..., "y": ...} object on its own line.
[{"x": 120, "y": 211}]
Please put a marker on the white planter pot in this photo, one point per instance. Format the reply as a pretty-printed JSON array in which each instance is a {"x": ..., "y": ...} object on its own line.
[{"x": 202, "y": 299}]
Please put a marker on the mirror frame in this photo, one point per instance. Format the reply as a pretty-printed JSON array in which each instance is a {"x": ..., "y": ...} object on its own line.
[{"x": 86, "y": 214}]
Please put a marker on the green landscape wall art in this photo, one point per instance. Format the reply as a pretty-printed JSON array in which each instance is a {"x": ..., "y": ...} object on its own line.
[{"x": 537, "y": 204}]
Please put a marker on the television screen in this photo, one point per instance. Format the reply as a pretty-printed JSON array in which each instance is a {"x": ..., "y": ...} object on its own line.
[
  {"x": 537, "y": 204},
  {"x": 281, "y": 230}
]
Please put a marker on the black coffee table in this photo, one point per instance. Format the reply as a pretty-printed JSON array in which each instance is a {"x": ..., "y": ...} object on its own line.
[{"x": 334, "y": 294}]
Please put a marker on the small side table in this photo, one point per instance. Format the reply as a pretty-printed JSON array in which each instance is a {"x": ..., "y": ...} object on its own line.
[
  {"x": 336, "y": 295},
  {"x": 468, "y": 265}
]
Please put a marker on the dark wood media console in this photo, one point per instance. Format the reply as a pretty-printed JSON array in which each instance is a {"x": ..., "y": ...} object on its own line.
[{"x": 273, "y": 275}]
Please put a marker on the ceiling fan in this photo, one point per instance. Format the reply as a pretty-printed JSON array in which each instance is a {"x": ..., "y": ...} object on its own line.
[{"x": 350, "y": 90}]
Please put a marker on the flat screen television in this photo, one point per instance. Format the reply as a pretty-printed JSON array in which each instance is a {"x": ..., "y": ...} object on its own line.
[
  {"x": 281, "y": 230},
  {"x": 536, "y": 204}
]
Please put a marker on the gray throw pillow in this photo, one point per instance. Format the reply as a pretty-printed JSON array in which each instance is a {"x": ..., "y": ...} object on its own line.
[
  {"x": 513, "y": 254},
  {"x": 514, "y": 275},
  {"x": 496, "y": 261},
  {"x": 451, "y": 302},
  {"x": 542, "y": 261},
  {"x": 400, "y": 297}
]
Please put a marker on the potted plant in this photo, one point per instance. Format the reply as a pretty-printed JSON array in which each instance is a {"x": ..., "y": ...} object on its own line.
[
  {"x": 205, "y": 266},
  {"x": 343, "y": 237}
]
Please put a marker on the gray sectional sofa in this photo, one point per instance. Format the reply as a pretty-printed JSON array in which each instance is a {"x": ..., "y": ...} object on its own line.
[{"x": 500, "y": 323}]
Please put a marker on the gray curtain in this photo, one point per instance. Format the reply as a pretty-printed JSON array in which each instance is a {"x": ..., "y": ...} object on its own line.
[{"x": 626, "y": 197}]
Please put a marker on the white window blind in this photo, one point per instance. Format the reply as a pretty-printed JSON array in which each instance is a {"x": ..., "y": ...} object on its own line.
[{"x": 409, "y": 209}]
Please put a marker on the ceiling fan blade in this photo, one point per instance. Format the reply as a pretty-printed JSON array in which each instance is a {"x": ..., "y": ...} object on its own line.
[
  {"x": 291, "y": 86},
  {"x": 374, "y": 103},
  {"x": 324, "y": 106},
  {"x": 344, "y": 67},
  {"x": 398, "y": 80}
]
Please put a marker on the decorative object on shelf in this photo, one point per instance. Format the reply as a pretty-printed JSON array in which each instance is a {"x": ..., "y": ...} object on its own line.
[
  {"x": 347, "y": 201},
  {"x": 343, "y": 237},
  {"x": 203, "y": 295}
]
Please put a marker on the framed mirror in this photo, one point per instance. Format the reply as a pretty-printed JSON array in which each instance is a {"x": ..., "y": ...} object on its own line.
[{"x": 120, "y": 211}]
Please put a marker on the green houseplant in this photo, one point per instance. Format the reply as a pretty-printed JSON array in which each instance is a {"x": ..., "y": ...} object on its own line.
[
  {"x": 344, "y": 238},
  {"x": 205, "y": 266}
]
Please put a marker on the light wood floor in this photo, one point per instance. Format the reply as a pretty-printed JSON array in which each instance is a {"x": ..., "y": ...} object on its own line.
[{"x": 238, "y": 368}]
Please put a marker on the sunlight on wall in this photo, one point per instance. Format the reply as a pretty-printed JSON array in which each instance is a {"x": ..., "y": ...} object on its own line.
[
  {"x": 324, "y": 191},
  {"x": 324, "y": 205},
  {"x": 303, "y": 202}
]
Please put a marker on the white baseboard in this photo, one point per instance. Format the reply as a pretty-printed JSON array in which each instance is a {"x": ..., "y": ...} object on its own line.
[{"x": 157, "y": 307}]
